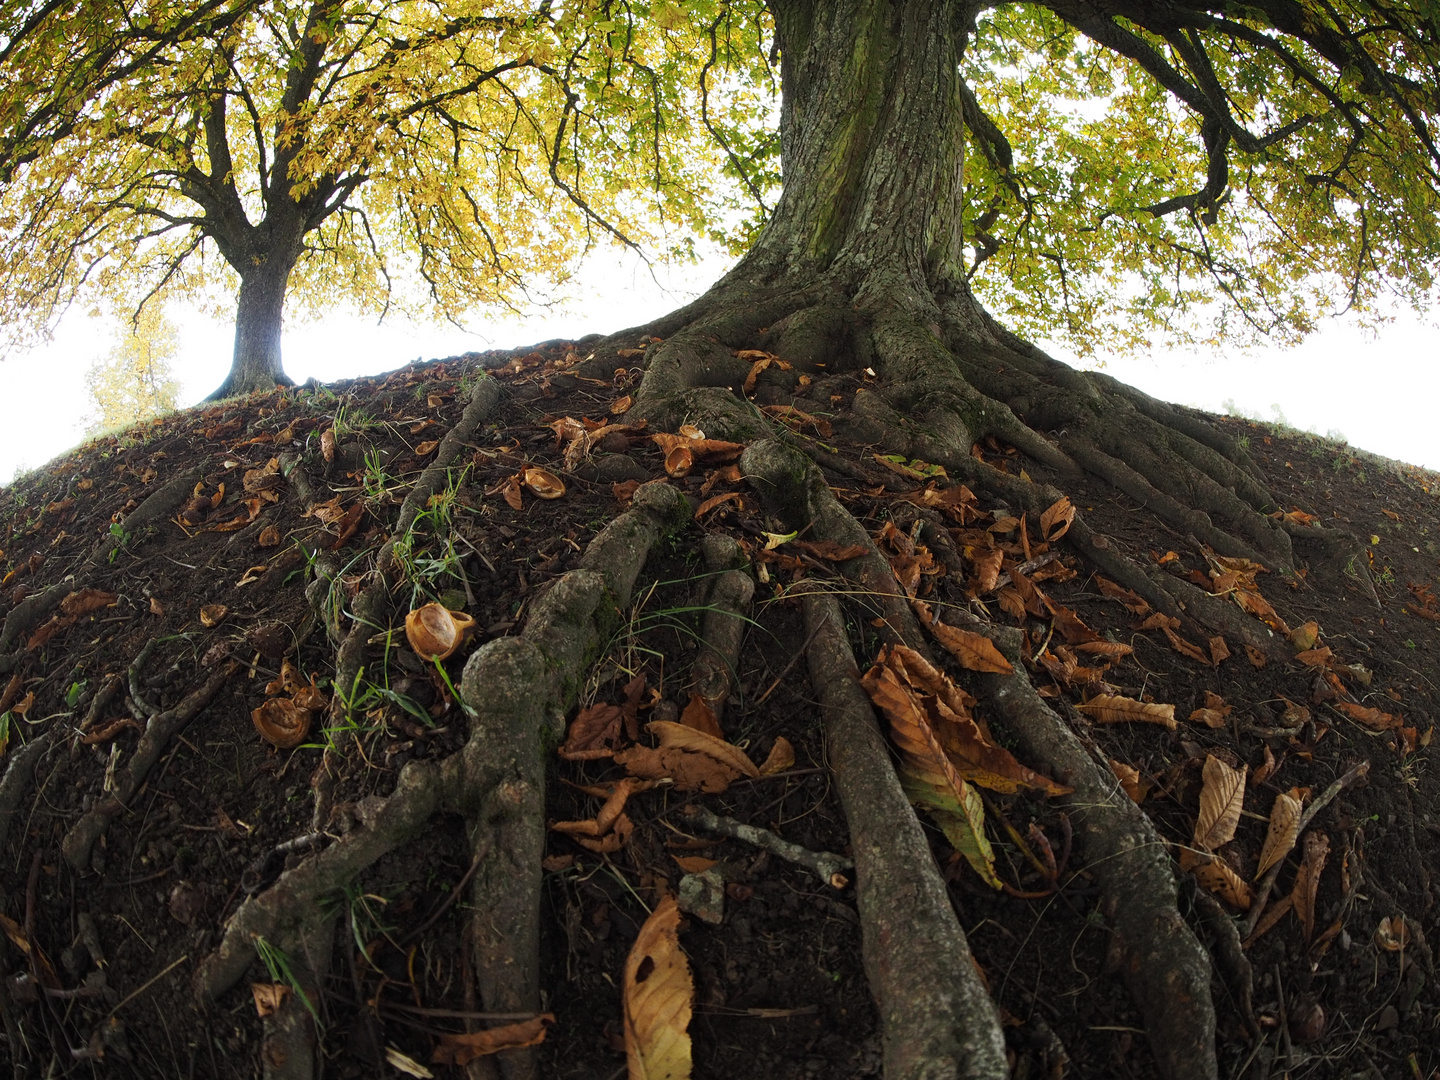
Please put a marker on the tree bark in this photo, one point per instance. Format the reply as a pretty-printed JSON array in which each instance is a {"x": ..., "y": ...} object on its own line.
[
  {"x": 872, "y": 143},
  {"x": 259, "y": 317}
]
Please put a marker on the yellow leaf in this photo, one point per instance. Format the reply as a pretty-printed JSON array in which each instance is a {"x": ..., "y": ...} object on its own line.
[
  {"x": 658, "y": 995},
  {"x": 782, "y": 756}
]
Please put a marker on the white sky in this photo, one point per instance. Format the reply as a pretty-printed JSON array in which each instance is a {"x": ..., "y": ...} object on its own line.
[{"x": 1379, "y": 393}]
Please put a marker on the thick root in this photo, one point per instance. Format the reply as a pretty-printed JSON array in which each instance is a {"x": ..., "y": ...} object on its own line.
[{"x": 938, "y": 1018}]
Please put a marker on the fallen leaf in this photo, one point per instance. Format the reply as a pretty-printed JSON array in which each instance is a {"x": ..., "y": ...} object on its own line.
[
  {"x": 156, "y": 608},
  {"x": 1316, "y": 658},
  {"x": 1305, "y": 635},
  {"x": 1283, "y": 832},
  {"x": 1186, "y": 648},
  {"x": 268, "y": 997},
  {"x": 694, "y": 864},
  {"x": 327, "y": 444},
  {"x": 512, "y": 493},
  {"x": 269, "y": 536},
  {"x": 621, "y": 405},
  {"x": 679, "y": 737},
  {"x": 1130, "y": 781},
  {"x": 1370, "y": 717},
  {"x": 658, "y": 994},
  {"x": 105, "y": 732},
  {"x": 975, "y": 652},
  {"x": 464, "y": 1048},
  {"x": 1055, "y": 522},
  {"x": 716, "y": 500},
  {"x": 1132, "y": 601},
  {"x": 1111, "y": 650},
  {"x": 1222, "y": 797},
  {"x": 86, "y": 601},
  {"x": 1218, "y": 650},
  {"x": 1114, "y": 709},
  {"x": 699, "y": 715},
  {"x": 780, "y": 758},
  {"x": 1307, "y": 881},
  {"x": 1214, "y": 875}
]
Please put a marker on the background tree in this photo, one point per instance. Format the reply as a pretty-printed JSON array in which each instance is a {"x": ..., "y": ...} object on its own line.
[
  {"x": 136, "y": 379},
  {"x": 389, "y": 154}
]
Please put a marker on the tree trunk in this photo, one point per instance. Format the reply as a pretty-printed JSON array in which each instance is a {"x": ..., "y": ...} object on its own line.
[{"x": 259, "y": 312}]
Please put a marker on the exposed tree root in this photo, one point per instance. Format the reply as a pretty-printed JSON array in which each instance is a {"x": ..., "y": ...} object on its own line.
[
  {"x": 518, "y": 690},
  {"x": 723, "y": 628},
  {"x": 825, "y": 865},
  {"x": 1163, "y": 965},
  {"x": 79, "y": 843},
  {"x": 938, "y": 1019}
]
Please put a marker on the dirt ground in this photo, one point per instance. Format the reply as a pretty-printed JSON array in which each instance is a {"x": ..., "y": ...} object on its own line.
[{"x": 98, "y": 965}]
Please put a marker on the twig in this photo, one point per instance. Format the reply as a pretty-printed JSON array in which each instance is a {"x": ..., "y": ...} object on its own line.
[
  {"x": 822, "y": 863},
  {"x": 445, "y": 904},
  {"x": 800, "y": 652},
  {"x": 1262, "y": 894},
  {"x": 136, "y": 993}
]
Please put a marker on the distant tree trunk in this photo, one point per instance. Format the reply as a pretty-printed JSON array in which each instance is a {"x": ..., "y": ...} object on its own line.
[{"x": 256, "y": 362}]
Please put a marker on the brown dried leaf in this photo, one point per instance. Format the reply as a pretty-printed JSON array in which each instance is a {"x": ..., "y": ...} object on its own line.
[
  {"x": 716, "y": 500},
  {"x": 1304, "y": 636},
  {"x": 327, "y": 444},
  {"x": 675, "y": 736},
  {"x": 658, "y": 996},
  {"x": 1130, "y": 781},
  {"x": 1185, "y": 648},
  {"x": 1114, "y": 709},
  {"x": 1111, "y": 650},
  {"x": 1133, "y": 602},
  {"x": 694, "y": 864},
  {"x": 268, "y": 997},
  {"x": 1215, "y": 876},
  {"x": 1221, "y": 799},
  {"x": 1316, "y": 658},
  {"x": 1055, "y": 522},
  {"x": 1218, "y": 650},
  {"x": 1307, "y": 881},
  {"x": 780, "y": 758},
  {"x": 688, "y": 771},
  {"x": 86, "y": 601},
  {"x": 1284, "y": 831},
  {"x": 699, "y": 715},
  {"x": 594, "y": 726},
  {"x": 987, "y": 568},
  {"x": 976, "y": 652},
  {"x": 1370, "y": 717},
  {"x": 461, "y": 1049},
  {"x": 512, "y": 493},
  {"x": 269, "y": 537}
]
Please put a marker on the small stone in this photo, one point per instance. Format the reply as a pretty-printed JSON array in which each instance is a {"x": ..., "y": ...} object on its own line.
[{"x": 703, "y": 895}]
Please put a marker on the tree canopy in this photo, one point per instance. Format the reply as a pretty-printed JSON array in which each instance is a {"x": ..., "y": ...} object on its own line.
[
  {"x": 395, "y": 154},
  {"x": 135, "y": 380},
  {"x": 1133, "y": 171}
]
